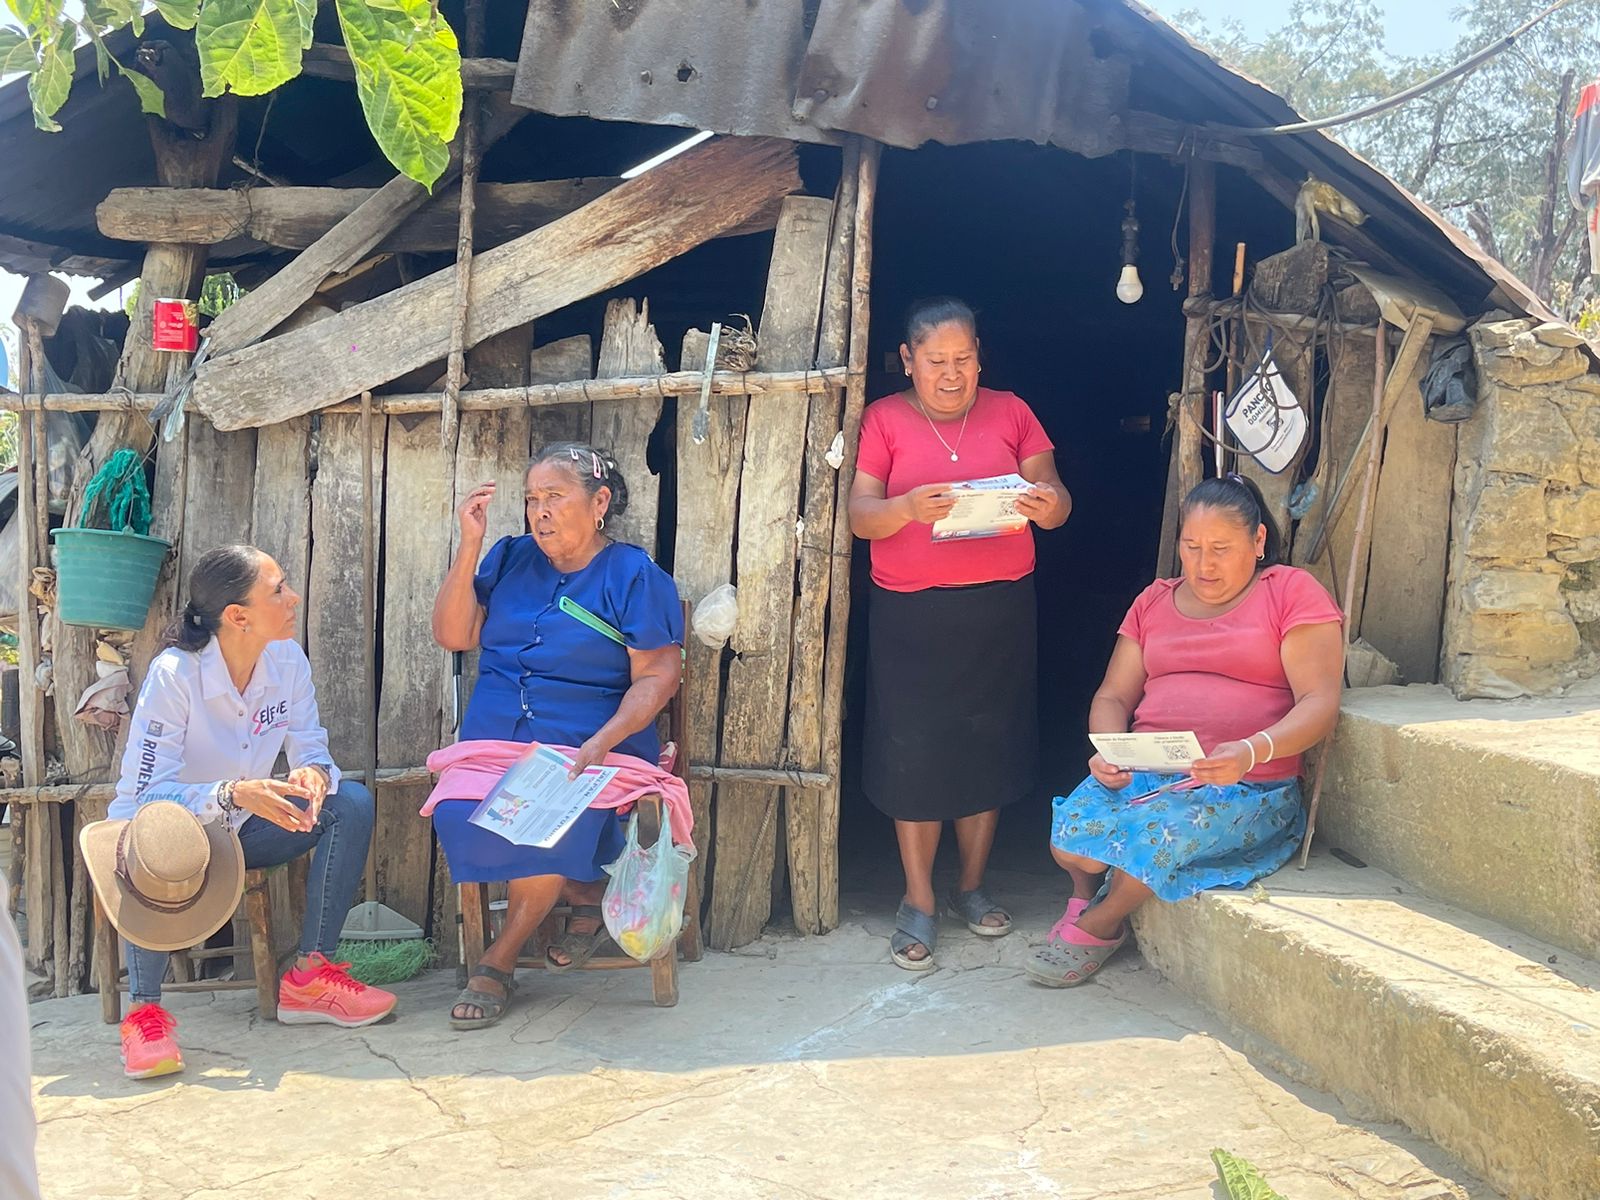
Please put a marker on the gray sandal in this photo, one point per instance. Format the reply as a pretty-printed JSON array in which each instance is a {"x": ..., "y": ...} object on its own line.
[
  {"x": 972, "y": 907},
  {"x": 1059, "y": 963},
  {"x": 493, "y": 1007},
  {"x": 913, "y": 927},
  {"x": 578, "y": 947}
]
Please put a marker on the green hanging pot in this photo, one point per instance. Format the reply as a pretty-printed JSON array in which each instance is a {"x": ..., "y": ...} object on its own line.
[{"x": 104, "y": 579}]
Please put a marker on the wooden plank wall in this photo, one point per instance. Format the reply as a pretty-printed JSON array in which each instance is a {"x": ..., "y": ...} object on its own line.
[
  {"x": 418, "y": 500},
  {"x": 708, "y": 507},
  {"x": 754, "y": 726},
  {"x": 629, "y": 346},
  {"x": 1348, "y": 405},
  {"x": 1405, "y": 590}
]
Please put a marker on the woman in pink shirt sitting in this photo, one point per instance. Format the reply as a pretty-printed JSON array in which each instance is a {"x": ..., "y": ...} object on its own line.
[
  {"x": 952, "y": 693},
  {"x": 1248, "y": 654}
]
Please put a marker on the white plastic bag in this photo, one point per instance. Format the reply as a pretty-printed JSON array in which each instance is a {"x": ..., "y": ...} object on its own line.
[
  {"x": 643, "y": 902},
  {"x": 716, "y": 615}
]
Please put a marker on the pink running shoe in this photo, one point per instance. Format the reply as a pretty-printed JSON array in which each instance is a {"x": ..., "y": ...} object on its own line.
[
  {"x": 148, "y": 1047},
  {"x": 324, "y": 993}
]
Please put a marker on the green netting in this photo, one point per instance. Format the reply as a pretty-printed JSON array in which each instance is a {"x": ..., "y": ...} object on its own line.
[
  {"x": 118, "y": 495},
  {"x": 378, "y": 963}
]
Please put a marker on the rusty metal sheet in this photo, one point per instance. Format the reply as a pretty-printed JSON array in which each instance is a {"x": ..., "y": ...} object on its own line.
[
  {"x": 723, "y": 65},
  {"x": 907, "y": 72}
]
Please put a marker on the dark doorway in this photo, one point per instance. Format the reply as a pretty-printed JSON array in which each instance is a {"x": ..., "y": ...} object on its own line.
[{"x": 1030, "y": 237}]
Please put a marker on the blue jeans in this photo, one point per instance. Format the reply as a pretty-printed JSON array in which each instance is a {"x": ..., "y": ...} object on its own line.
[{"x": 340, "y": 840}]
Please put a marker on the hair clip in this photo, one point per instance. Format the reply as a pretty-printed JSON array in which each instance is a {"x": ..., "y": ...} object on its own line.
[
  {"x": 599, "y": 472},
  {"x": 1235, "y": 477}
]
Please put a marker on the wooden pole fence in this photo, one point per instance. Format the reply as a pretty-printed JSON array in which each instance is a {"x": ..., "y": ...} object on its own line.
[{"x": 575, "y": 391}]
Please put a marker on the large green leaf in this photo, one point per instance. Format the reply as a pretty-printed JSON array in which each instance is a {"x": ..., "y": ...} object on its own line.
[
  {"x": 16, "y": 53},
  {"x": 151, "y": 98},
  {"x": 248, "y": 46},
  {"x": 1241, "y": 1180},
  {"x": 408, "y": 76},
  {"x": 308, "y": 22},
  {"x": 51, "y": 84},
  {"x": 114, "y": 14},
  {"x": 102, "y": 57},
  {"x": 37, "y": 16},
  {"x": 180, "y": 14}
]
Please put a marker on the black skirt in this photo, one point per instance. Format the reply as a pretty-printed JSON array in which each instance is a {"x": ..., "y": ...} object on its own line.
[{"x": 952, "y": 695}]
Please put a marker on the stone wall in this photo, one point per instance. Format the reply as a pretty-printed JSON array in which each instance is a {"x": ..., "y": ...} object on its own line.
[{"x": 1523, "y": 609}]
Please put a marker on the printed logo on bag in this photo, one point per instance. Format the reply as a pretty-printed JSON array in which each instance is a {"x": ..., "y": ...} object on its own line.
[{"x": 273, "y": 716}]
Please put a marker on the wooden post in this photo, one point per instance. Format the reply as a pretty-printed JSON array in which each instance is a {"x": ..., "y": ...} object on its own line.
[
  {"x": 754, "y": 726},
  {"x": 30, "y": 701},
  {"x": 1192, "y": 400},
  {"x": 806, "y": 828},
  {"x": 456, "y": 362},
  {"x": 855, "y": 399},
  {"x": 184, "y": 158}
]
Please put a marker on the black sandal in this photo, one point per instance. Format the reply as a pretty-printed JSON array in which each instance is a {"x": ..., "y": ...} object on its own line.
[
  {"x": 493, "y": 1007},
  {"x": 578, "y": 947}
]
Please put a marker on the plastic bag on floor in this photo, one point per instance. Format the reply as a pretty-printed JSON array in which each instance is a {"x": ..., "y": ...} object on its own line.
[{"x": 643, "y": 902}]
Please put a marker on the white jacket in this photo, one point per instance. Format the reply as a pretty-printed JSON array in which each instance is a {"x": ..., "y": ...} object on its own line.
[{"x": 192, "y": 730}]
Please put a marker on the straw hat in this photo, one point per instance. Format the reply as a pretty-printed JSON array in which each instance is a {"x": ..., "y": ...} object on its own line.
[{"x": 166, "y": 880}]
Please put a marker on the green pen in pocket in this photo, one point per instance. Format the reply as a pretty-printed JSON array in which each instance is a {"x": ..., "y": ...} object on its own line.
[{"x": 573, "y": 609}]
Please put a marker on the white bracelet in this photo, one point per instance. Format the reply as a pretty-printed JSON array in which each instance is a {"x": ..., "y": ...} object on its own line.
[
  {"x": 1251, "y": 746},
  {"x": 1272, "y": 748}
]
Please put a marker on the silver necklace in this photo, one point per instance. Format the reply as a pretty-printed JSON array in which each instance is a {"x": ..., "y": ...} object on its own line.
[{"x": 954, "y": 457}]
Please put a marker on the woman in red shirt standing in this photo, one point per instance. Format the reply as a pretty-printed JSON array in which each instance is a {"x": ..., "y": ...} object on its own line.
[
  {"x": 1246, "y": 653},
  {"x": 951, "y": 721}
]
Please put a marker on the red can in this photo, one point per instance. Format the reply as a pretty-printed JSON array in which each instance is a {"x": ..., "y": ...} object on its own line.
[{"x": 177, "y": 325}]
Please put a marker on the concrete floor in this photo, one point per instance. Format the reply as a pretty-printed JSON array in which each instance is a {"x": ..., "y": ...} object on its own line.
[{"x": 796, "y": 1068}]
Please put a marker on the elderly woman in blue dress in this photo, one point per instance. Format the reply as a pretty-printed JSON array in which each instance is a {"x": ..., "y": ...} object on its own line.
[{"x": 548, "y": 675}]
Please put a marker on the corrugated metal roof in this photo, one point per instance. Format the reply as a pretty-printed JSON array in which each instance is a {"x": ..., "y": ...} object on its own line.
[
  {"x": 722, "y": 65},
  {"x": 905, "y": 72}
]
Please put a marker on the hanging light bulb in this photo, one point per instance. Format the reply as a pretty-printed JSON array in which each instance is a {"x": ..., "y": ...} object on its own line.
[{"x": 1129, "y": 286}]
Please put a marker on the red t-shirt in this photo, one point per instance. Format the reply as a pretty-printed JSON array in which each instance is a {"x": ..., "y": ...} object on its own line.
[
  {"x": 898, "y": 447},
  {"x": 1223, "y": 676}
]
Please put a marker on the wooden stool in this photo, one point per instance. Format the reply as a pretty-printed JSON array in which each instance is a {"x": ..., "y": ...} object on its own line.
[
  {"x": 257, "y": 906},
  {"x": 663, "y": 968}
]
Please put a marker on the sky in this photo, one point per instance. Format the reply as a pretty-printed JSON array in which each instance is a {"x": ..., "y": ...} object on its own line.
[{"x": 1412, "y": 27}]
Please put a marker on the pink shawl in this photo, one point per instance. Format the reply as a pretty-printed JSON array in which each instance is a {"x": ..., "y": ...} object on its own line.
[{"x": 469, "y": 769}]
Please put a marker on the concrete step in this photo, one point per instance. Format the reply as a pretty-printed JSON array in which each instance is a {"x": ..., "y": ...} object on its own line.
[
  {"x": 1493, "y": 805},
  {"x": 1480, "y": 1038}
]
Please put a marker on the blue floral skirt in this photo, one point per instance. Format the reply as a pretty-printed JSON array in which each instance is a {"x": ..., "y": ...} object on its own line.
[{"x": 1181, "y": 843}]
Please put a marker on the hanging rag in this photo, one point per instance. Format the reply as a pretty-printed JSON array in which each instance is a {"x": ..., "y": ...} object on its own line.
[
  {"x": 1450, "y": 385},
  {"x": 469, "y": 769},
  {"x": 120, "y": 489},
  {"x": 104, "y": 702},
  {"x": 1583, "y": 167}
]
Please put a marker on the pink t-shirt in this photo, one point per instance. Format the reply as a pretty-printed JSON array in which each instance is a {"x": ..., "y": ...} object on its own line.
[
  {"x": 1223, "y": 676},
  {"x": 898, "y": 447}
]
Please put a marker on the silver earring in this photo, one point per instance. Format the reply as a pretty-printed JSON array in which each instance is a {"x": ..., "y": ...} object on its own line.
[{"x": 600, "y": 524}]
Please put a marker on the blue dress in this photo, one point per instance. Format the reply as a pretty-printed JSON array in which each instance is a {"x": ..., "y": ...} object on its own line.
[
  {"x": 1181, "y": 843},
  {"x": 546, "y": 676}
]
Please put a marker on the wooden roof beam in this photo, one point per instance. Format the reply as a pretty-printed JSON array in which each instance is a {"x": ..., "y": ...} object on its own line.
[
  {"x": 612, "y": 239},
  {"x": 292, "y": 218},
  {"x": 1147, "y": 133}
]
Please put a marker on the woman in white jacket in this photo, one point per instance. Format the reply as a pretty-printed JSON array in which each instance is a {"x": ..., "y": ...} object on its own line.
[{"x": 233, "y": 689}]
